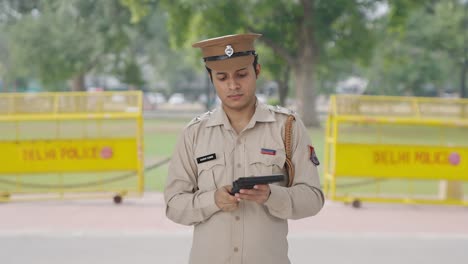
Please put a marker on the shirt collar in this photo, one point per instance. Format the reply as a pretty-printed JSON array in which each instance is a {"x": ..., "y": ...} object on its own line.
[
  {"x": 262, "y": 114},
  {"x": 218, "y": 117}
]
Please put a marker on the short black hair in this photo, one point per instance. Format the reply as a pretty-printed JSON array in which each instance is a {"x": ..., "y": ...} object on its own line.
[{"x": 255, "y": 62}]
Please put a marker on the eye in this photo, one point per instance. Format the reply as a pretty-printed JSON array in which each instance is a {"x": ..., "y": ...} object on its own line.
[
  {"x": 242, "y": 74},
  {"x": 221, "y": 77}
]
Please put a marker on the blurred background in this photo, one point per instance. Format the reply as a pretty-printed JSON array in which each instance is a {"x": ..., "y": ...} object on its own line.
[{"x": 310, "y": 51}]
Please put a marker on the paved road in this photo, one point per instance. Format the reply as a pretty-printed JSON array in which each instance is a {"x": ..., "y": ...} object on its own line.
[
  {"x": 137, "y": 231},
  {"x": 126, "y": 248}
]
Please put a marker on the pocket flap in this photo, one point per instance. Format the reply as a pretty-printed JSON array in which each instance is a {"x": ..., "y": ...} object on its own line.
[{"x": 278, "y": 159}]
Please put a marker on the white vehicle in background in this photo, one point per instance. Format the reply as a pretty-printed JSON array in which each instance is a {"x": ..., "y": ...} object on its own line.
[
  {"x": 156, "y": 98},
  {"x": 176, "y": 98}
]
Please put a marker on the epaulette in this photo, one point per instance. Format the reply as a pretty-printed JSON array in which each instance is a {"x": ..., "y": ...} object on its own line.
[
  {"x": 200, "y": 118},
  {"x": 282, "y": 110}
]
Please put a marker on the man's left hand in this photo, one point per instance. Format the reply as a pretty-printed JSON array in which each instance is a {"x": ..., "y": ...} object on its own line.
[{"x": 259, "y": 194}]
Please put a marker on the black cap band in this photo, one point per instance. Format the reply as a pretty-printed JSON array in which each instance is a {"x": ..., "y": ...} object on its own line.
[{"x": 224, "y": 57}]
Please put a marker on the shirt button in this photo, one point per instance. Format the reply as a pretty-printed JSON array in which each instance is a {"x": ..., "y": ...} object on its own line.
[
  {"x": 236, "y": 249},
  {"x": 239, "y": 165},
  {"x": 237, "y": 218}
]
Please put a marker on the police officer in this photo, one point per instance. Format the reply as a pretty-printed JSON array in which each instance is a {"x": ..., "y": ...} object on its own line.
[{"x": 241, "y": 138}]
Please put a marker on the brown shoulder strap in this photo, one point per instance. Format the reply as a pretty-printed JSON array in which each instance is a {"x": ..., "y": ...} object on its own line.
[{"x": 288, "y": 147}]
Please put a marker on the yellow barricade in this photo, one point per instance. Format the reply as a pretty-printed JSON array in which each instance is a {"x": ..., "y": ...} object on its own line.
[
  {"x": 71, "y": 145},
  {"x": 396, "y": 149}
]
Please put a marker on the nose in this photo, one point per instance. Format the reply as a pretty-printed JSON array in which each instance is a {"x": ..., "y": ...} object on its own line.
[{"x": 232, "y": 84}]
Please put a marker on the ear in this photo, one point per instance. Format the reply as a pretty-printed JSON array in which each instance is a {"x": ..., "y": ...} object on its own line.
[{"x": 258, "y": 69}]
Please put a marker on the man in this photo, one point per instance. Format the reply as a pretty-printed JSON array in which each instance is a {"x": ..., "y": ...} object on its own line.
[{"x": 241, "y": 138}]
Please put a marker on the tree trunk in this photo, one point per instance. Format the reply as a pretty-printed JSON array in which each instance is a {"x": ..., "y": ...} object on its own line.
[
  {"x": 304, "y": 68},
  {"x": 305, "y": 90},
  {"x": 78, "y": 83},
  {"x": 4, "y": 86},
  {"x": 464, "y": 72},
  {"x": 15, "y": 85},
  {"x": 305, "y": 94},
  {"x": 302, "y": 65},
  {"x": 282, "y": 91},
  {"x": 283, "y": 86},
  {"x": 208, "y": 102}
]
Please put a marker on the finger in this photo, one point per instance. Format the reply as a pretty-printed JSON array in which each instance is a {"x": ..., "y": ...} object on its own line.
[
  {"x": 251, "y": 197},
  {"x": 227, "y": 189},
  {"x": 253, "y": 191},
  {"x": 262, "y": 187},
  {"x": 230, "y": 199},
  {"x": 248, "y": 191},
  {"x": 221, "y": 202},
  {"x": 244, "y": 197},
  {"x": 225, "y": 195},
  {"x": 230, "y": 208},
  {"x": 264, "y": 190}
]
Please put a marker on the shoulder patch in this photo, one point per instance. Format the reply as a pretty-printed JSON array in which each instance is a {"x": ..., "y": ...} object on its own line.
[
  {"x": 199, "y": 118},
  {"x": 282, "y": 110}
]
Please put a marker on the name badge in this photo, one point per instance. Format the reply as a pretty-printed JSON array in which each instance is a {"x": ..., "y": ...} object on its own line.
[{"x": 206, "y": 158}]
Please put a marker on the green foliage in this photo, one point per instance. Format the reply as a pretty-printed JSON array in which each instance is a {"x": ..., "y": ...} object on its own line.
[
  {"x": 273, "y": 101},
  {"x": 330, "y": 30},
  {"x": 60, "y": 40},
  {"x": 138, "y": 8},
  {"x": 174, "y": 67},
  {"x": 416, "y": 48},
  {"x": 53, "y": 50},
  {"x": 131, "y": 74},
  {"x": 424, "y": 56}
]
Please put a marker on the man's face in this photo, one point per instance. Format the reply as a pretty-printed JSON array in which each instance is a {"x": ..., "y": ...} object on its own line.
[{"x": 236, "y": 88}]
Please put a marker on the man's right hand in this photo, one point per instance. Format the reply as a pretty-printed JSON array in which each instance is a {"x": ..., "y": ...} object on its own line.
[{"x": 225, "y": 201}]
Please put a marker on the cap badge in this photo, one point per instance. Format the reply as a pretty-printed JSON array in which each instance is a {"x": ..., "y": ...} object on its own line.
[{"x": 229, "y": 50}]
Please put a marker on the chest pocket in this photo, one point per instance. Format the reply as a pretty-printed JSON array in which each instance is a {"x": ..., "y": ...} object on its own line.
[
  {"x": 209, "y": 171},
  {"x": 263, "y": 165}
]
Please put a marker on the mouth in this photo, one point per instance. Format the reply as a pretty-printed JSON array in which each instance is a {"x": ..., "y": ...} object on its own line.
[{"x": 235, "y": 96}]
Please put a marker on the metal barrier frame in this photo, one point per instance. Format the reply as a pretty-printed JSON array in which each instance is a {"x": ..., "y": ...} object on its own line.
[
  {"x": 59, "y": 111},
  {"x": 337, "y": 117}
]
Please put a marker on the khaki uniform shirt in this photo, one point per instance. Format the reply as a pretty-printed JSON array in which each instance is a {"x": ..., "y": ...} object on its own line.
[{"x": 253, "y": 233}]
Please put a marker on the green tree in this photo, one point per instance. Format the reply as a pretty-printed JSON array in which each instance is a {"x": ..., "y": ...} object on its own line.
[
  {"x": 301, "y": 33},
  {"x": 171, "y": 68},
  {"x": 444, "y": 29},
  {"x": 4, "y": 60},
  {"x": 274, "y": 68},
  {"x": 11, "y": 75},
  {"x": 61, "y": 40},
  {"x": 422, "y": 54}
]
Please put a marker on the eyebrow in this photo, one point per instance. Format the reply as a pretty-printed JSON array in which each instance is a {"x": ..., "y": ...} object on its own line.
[{"x": 219, "y": 73}]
